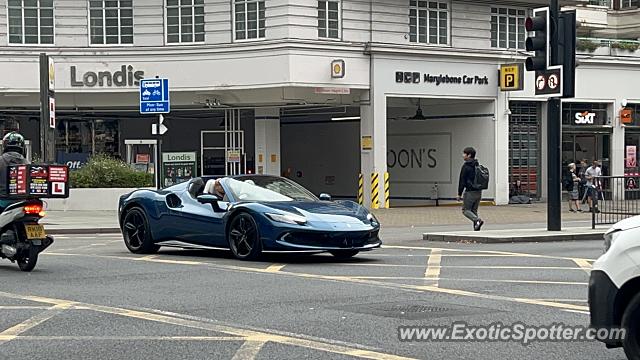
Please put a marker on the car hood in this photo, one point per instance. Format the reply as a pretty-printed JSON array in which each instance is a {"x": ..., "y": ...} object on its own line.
[
  {"x": 332, "y": 212},
  {"x": 626, "y": 224}
]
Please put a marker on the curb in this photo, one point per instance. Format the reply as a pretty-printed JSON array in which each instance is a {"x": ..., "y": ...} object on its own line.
[
  {"x": 87, "y": 231},
  {"x": 511, "y": 239}
]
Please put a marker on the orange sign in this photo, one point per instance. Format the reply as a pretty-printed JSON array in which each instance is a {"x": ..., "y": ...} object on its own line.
[{"x": 625, "y": 116}]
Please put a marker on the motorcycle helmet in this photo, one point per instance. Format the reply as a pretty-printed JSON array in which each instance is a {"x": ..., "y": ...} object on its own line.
[{"x": 13, "y": 141}]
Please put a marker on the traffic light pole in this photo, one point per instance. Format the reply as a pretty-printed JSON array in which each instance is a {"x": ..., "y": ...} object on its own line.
[
  {"x": 158, "y": 153},
  {"x": 554, "y": 130}
]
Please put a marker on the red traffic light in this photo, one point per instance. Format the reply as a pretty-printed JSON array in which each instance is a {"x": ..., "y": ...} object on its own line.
[{"x": 536, "y": 23}]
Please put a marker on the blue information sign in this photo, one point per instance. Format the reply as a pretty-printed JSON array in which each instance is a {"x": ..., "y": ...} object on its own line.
[{"x": 154, "y": 96}]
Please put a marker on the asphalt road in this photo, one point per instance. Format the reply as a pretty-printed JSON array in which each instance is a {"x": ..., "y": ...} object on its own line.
[{"x": 89, "y": 298}]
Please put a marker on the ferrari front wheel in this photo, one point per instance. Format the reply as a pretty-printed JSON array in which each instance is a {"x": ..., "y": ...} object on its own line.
[
  {"x": 344, "y": 254},
  {"x": 136, "y": 233},
  {"x": 244, "y": 237}
]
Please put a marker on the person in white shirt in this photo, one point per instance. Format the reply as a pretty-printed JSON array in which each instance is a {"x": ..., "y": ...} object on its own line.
[{"x": 593, "y": 184}]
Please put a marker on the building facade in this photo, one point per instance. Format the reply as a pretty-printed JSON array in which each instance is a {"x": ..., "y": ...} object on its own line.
[{"x": 317, "y": 90}]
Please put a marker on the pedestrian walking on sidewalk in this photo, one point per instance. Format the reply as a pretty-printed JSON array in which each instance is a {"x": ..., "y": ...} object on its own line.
[
  {"x": 571, "y": 182},
  {"x": 473, "y": 179},
  {"x": 593, "y": 174}
]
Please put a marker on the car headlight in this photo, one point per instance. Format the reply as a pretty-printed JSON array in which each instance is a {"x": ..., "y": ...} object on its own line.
[
  {"x": 372, "y": 218},
  {"x": 609, "y": 237},
  {"x": 287, "y": 218}
]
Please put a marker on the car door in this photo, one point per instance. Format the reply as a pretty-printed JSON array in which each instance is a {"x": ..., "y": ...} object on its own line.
[{"x": 200, "y": 224}]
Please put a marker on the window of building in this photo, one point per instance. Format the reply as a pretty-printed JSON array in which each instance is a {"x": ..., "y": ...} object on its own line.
[
  {"x": 626, "y": 4},
  {"x": 524, "y": 149},
  {"x": 111, "y": 21},
  {"x": 329, "y": 19},
  {"x": 249, "y": 19},
  {"x": 185, "y": 21},
  {"x": 429, "y": 22},
  {"x": 30, "y": 21},
  {"x": 507, "y": 28}
]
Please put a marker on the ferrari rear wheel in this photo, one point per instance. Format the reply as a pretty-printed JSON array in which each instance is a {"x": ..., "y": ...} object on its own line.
[
  {"x": 344, "y": 254},
  {"x": 244, "y": 238},
  {"x": 136, "y": 233}
]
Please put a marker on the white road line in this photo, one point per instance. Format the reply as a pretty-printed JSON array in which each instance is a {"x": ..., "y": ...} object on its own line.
[{"x": 433, "y": 267}]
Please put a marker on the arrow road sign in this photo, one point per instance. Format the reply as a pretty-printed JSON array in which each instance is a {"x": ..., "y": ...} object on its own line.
[{"x": 163, "y": 128}]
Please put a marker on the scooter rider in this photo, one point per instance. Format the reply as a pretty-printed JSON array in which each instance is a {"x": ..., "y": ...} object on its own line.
[{"x": 13, "y": 152}]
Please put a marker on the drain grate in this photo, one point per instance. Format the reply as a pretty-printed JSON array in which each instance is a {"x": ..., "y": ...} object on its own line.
[{"x": 413, "y": 311}]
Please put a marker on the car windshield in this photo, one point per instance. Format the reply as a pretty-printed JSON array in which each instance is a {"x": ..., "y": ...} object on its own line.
[{"x": 266, "y": 188}]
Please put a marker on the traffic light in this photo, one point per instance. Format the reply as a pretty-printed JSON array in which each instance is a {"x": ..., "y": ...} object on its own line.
[{"x": 540, "y": 42}]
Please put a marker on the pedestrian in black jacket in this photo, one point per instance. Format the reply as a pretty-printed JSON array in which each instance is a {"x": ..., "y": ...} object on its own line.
[{"x": 471, "y": 196}]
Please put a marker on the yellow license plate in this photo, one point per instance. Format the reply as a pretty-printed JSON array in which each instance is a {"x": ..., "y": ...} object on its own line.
[{"x": 35, "y": 231}]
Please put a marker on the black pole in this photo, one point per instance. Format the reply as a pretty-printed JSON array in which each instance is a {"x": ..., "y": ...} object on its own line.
[
  {"x": 44, "y": 105},
  {"x": 554, "y": 129}
]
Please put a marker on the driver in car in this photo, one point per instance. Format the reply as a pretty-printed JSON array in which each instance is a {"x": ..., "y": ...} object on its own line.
[{"x": 218, "y": 189}]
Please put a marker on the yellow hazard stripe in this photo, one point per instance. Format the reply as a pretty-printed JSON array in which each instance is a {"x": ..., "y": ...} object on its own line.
[
  {"x": 360, "y": 189},
  {"x": 386, "y": 190},
  {"x": 374, "y": 191}
]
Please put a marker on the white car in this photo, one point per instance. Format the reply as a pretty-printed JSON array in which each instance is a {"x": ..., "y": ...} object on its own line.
[{"x": 614, "y": 286}]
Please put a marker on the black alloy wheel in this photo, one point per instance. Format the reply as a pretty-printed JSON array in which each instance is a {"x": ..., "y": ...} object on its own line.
[
  {"x": 244, "y": 238},
  {"x": 135, "y": 230}
]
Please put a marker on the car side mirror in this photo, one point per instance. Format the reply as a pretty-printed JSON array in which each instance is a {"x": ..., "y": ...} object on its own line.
[
  {"x": 325, "y": 197},
  {"x": 212, "y": 200}
]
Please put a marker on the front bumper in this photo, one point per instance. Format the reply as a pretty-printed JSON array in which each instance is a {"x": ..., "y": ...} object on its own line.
[
  {"x": 344, "y": 240},
  {"x": 602, "y": 297}
]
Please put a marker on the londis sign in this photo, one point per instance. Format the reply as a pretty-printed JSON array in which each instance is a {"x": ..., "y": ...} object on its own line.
[{"x": 124, "y": 77}]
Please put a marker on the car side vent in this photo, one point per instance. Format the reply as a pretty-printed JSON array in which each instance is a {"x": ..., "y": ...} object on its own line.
[{"x": 173, "y": 201}]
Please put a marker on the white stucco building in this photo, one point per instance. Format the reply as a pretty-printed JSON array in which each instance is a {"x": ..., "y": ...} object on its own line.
[{"x": 265, "y": 68}]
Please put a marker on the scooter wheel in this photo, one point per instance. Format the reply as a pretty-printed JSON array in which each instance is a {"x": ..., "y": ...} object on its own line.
[{"x": 28, "y": 263}]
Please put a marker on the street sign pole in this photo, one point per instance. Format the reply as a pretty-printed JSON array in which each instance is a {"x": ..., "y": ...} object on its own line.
[
  {"x": 554, "y": 131},
  {"x": 154, "y": 99},
  {"x": 158, "y": 153},
  {"x": 44, "y": 104}
]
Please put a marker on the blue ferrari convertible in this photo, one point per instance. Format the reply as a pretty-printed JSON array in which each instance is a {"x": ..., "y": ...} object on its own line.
[{"x": 248, "y": 214}]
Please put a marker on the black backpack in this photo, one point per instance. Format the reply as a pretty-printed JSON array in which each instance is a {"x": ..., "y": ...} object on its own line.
[{"x": 481, "y": 178}]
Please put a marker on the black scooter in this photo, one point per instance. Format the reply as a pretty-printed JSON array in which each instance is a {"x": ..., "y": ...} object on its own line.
[{"x": 22, "y": 238}]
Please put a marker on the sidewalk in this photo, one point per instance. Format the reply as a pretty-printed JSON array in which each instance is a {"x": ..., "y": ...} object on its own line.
[{"x": 81, "y": 222}]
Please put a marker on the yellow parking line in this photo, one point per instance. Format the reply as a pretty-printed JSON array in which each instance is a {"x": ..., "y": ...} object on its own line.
[
  {"x": 248, "y": 335},
  {"x": 12, "y": 332},
  {"x": 275, "y": 268},
  {"x": 20, "y": 307},
  {"x": 130, "y": 338},
  {"x": 433, "y": 267},
  {"x": 249, "y": 350},
  {"x": 382, "y": 284},
  {"x": 468, "y": 280},
  {"x": 489, "y": 252},
  {"x": 583, "y": 264}
]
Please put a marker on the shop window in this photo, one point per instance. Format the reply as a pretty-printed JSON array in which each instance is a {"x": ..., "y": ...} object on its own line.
[
  {"x": 249, "y": 19},
  {"x": 329, "y": 19},
  {"x": 111, "y": 21},
  {"x": 429, "y": 22},
  {"x": 185, "y": 21},
  {"x": 629, "y": 4},
  {"x": 30, "y": 22},
  {"x": 524, "y": 149},
  {"x": 507, "y": 28},
  {"x": 88, "y": 137}
]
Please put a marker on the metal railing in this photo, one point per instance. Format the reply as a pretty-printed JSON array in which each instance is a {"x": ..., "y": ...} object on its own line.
[{"x": 618, "y": 198}]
